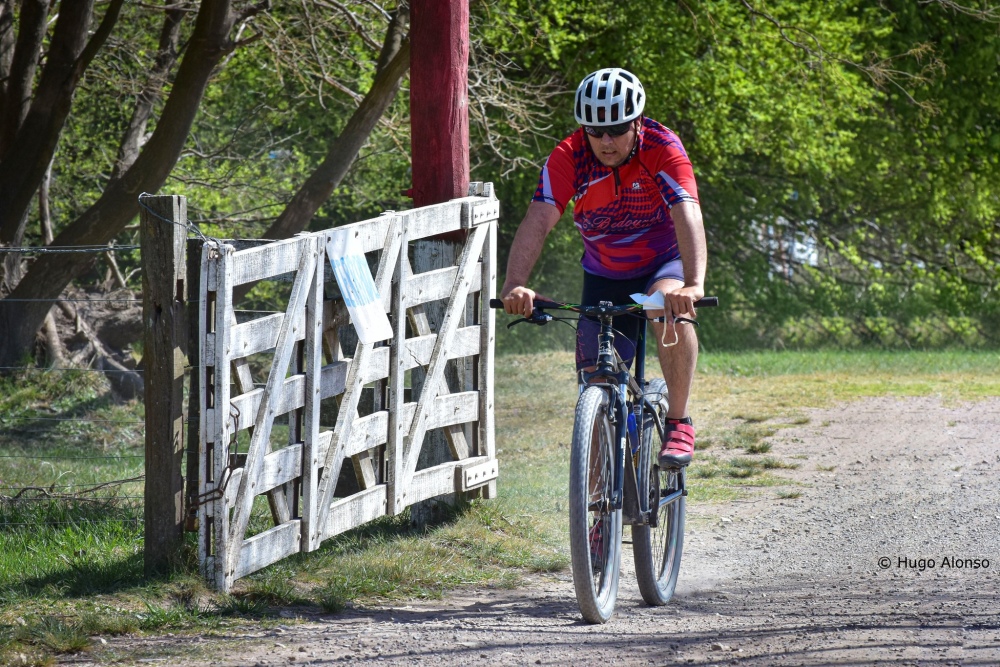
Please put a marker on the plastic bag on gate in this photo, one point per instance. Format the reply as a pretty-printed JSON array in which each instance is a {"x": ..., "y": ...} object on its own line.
[{"x": 358, "y": 288}]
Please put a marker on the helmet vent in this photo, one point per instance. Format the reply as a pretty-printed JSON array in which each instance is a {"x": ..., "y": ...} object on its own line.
[{"x": 608, "y": 97}]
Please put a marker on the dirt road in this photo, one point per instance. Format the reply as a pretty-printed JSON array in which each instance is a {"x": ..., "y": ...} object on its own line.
[{"x": 875, "y": 563}]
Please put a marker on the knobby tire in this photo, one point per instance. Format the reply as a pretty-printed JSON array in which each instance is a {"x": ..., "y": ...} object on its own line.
[{"x": 590, "y": 487}]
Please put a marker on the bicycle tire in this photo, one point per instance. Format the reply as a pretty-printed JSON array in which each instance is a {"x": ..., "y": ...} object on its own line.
[
  {"x": 595, "y": 579},
  {"x": 657, "y": 549}
]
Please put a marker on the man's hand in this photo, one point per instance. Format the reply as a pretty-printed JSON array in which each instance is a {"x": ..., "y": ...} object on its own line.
[
  {"x": 679, "y": 301},
  {"x": 519, "y": 301}
]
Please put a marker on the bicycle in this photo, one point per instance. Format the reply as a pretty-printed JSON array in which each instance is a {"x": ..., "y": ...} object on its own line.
[{"x": 613, "y": 408}]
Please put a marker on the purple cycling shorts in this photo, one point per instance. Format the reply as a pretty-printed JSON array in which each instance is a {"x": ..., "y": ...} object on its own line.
[{"x": 599, "y": 288}]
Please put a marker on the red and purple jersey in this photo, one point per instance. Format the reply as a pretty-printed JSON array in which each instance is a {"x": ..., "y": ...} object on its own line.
[{"x": 623, "y": 213}]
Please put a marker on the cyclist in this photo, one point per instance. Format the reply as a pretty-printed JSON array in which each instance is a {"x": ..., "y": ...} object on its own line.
[{"x": 635, "y": 202}]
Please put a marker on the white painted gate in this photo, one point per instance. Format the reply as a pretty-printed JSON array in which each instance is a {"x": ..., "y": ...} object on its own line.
[{"x": 299, "y": 475}]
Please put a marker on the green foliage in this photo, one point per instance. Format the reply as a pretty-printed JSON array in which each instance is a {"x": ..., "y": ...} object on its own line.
[{"x": 868, "y": 145}]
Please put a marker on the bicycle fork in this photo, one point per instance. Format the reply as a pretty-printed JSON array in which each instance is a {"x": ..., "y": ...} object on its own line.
[{"x": 621, "y": 431}]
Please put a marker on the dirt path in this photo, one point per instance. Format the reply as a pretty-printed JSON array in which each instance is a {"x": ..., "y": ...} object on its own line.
[{"x": 763, "y": 582}]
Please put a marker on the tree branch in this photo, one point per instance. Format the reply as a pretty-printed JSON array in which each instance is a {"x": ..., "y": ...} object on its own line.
[
  {"x": 100, "y": 36},
  {"x": 353, "y": 20},
  {"x": 344, "y": 149},
  {"x": 878, "y": 70},
  {"x": 21, "y": 73},
  {"x": 7, "y": 40},
  {"x": 166, "y": 58},
  {"x": 30, "y": 151},
  {"x": 987, "y": 13}
]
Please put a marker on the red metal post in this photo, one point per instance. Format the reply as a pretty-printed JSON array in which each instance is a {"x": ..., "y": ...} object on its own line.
[{"x": 439, "y": 100}]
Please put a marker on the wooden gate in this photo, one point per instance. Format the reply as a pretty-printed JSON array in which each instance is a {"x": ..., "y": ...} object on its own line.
[{"x": 243, "y": 459}]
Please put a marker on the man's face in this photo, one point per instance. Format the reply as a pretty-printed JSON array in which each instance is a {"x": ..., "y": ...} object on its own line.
[{"x": 610, "y": 150}]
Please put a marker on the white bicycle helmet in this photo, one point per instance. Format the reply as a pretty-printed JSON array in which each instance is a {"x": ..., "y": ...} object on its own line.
[{"x": 608, "y": 97}]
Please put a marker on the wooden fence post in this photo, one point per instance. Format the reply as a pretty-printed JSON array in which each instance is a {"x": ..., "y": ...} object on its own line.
[{"x": 163, "y": 237}]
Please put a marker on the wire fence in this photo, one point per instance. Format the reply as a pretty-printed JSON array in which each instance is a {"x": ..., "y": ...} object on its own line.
[{"x": 54, "y": 467}]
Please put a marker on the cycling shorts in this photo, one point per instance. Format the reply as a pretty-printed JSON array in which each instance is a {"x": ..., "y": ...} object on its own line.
[{"x": 597, "y": 289}]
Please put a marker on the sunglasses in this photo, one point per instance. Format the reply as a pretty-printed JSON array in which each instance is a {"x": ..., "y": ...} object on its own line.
[{"x": 613, "y": 130}]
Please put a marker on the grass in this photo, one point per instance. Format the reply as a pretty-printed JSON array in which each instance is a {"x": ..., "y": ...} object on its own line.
[{"x": 71, "y": 569}]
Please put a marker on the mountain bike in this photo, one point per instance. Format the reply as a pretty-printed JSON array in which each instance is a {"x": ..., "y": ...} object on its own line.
[{"x": 614, "y": 474}]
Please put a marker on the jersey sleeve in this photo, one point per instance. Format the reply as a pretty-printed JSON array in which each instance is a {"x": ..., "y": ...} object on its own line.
[
  {"x": 556, "y": 182},
  {"x": 673, "y": 173}
]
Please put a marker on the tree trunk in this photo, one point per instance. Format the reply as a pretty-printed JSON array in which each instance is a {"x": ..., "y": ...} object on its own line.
[
  {"x": 30, "y": 150},
  {"x": 50, "y": 274},
  {"x": 19, "y": 68}
]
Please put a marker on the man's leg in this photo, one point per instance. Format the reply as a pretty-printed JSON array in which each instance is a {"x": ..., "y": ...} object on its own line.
[{"x": 678, "y": 361}]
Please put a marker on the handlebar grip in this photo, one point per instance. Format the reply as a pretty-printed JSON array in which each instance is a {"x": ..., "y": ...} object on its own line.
[
  {"x": 707, "y": 302},
  {"x": 539, "y": 303}
]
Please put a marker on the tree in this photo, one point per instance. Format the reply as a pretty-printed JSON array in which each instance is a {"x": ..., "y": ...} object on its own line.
[{"x": 35, "y": 120}]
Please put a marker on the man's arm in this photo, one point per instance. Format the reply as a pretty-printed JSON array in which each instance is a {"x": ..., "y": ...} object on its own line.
[
  {"x": 524, "y": 252},
  {"x": 694, "y": 255}
]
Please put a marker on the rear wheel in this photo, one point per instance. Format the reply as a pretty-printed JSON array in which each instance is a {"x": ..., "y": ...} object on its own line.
[
  {"x": 595, "y": 527},
  {"x": 657, "y": 547}
]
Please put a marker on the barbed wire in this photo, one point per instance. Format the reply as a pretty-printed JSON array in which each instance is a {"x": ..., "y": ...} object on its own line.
[
  {"x": 72, "y": 458},
  {"x": 8, "y": 299},
  {"x": 88, "y": 488},
  {"x": 51, "y": 487},
  {"x": 52, "y": 250},
  {"x": 64, "y": 369},
  {"x": 4, "y": 420},
  {"x": 188, "y": 226},
  {"x": 12, "y": 499},
  {"x": 35, "y": 524}
]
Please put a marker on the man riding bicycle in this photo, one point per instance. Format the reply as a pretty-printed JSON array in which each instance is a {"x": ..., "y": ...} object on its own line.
[{"x": 635, "y": 203}]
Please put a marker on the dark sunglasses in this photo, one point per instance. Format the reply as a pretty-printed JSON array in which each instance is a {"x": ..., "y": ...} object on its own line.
[{"x": 613, "y": 130}]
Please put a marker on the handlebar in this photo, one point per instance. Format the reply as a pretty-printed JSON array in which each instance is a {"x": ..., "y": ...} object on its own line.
[{"x": 541, "y": 304}]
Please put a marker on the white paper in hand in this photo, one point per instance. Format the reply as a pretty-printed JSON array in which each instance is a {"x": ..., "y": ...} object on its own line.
[
  {"x": 651, "y": 302},
  {"x": 358, "y": 288}
]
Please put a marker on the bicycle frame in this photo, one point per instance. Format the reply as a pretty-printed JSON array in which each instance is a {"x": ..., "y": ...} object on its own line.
[{"x": 618, "y": 380}]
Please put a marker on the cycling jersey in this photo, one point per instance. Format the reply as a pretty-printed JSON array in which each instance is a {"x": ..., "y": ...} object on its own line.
[{"x": 623, "y": 213}]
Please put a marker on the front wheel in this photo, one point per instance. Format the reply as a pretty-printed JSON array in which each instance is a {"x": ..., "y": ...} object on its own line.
[
  {"x": 595, "y": 526},
  {"x": 657, "y": 546}
]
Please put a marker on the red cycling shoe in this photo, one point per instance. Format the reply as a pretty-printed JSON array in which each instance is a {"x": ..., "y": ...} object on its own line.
[{"x": 679, "y": 446}]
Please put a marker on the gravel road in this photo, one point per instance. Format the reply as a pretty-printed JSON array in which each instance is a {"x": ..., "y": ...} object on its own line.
[{"x": 873, "y": 564}]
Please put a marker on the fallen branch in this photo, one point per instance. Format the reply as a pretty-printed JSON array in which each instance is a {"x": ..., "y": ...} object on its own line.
[{"x": 125, "y": 382}]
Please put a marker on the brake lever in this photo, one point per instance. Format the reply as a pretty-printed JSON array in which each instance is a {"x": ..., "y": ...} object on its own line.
[
  {"x": 538, "y": 317},
  {"x": 677, "y": 320}
]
